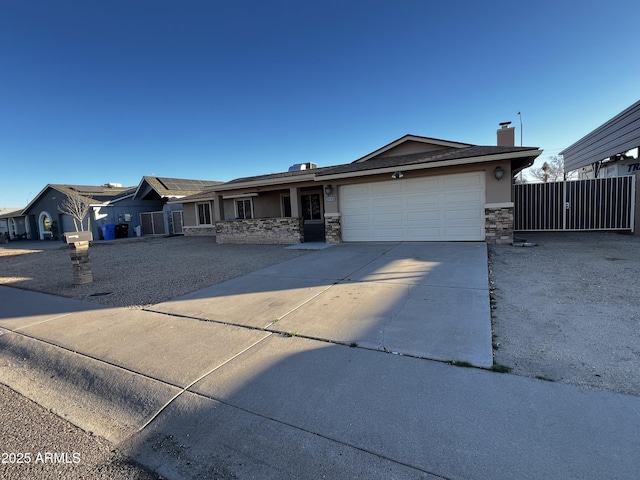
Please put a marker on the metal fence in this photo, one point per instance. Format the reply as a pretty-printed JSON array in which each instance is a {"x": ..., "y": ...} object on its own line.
[
  {"x": 152, "y": 223},
  {"x": 595, "y": 204}
]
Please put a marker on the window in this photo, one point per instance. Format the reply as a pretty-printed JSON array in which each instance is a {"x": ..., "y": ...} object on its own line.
[
  {"x": 244, "y": 208},
  {"x": 204, "y": 214},
  {"x": 286, "y": 205},
  {"x": 311, "y": 209}
]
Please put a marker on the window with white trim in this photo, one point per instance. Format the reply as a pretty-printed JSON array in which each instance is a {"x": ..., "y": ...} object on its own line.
[
  {"x": 204, "y": 213},
  {"x": 244, "y": 208}
]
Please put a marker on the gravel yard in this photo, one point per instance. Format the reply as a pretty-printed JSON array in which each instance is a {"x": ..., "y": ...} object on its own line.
[
  {"x": 136, "y": 272},
  {"x": 568, "y": 309}
]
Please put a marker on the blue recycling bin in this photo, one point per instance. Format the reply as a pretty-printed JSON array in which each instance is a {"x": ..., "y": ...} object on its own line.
[{"x": 108, "y": 231}]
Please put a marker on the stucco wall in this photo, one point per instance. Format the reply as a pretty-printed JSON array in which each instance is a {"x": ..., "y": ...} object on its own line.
[
  {"x": 498, "y": 191},
  {"x": 189, "y": 214},
  {"x": 267, "y": 205}
]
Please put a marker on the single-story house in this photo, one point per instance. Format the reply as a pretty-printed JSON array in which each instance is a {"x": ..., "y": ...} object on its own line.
[
  {"x": 47, "y": 222},
  {"x": 412, "y": 189},
  {"x": 127, "y": 207}
]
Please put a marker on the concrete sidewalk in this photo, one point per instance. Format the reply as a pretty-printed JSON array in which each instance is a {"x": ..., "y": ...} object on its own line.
[{"x": 235, "y": 396}]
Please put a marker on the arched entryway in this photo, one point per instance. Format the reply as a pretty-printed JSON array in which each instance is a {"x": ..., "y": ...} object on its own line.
[
  {"x": 44, "y": 225},
  {"x": 13, "y": 231}
]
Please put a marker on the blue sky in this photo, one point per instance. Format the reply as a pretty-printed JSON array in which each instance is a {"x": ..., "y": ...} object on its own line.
[{"x": 110, "y": 90}]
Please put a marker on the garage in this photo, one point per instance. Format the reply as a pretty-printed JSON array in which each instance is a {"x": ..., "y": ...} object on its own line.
[{"x": 437, "y": 208}]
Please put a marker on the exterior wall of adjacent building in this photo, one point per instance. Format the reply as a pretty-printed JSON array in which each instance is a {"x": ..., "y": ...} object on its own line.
[{"x": 126, "y": 211}]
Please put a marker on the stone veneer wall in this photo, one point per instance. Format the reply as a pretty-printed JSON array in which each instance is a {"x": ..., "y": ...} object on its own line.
[
  {"x": 498, "y": 225},
  {"x": 332, "y": 229},
  {"x": 281, "y": 230},
  {"x": 199, "y": 231}
]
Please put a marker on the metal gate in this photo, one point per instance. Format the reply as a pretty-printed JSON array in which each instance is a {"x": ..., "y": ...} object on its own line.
[
  {"x": 152, "y": 223},
  {"x": 595, "y": 204},
  {"x": 176, "y": 222}
]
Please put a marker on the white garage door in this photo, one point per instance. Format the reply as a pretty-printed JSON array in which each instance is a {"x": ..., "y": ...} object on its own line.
[{"x": 445, "y": 207}]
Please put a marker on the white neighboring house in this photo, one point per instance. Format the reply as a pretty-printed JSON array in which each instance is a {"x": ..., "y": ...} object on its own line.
[{"x": 621, "y": 165}]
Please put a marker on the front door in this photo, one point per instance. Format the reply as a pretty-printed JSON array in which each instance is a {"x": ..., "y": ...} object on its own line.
[{"x": 311, "y": 204}]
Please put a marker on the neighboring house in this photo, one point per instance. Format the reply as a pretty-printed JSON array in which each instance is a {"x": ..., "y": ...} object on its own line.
[
  {"x": 166, "y": 218},
  {"x": 413, "y": 189},
  {"x": 12, "y": 224},
  {"x": 45, "y": 221},
  {"x": 128, "y": 207}
]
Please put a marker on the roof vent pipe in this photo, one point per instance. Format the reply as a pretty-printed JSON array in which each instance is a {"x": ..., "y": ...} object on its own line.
[{"x": 506, "y": 135}]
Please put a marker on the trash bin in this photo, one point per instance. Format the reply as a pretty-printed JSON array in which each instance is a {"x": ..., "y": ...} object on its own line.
[
  {"x": 138, "y": 231},
  {"x": 108, "y": 231},
  {"x": 122, "y": 230}
]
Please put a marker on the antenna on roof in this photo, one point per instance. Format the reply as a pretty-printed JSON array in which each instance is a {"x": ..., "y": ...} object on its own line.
[{"x": 520, "y": 115}]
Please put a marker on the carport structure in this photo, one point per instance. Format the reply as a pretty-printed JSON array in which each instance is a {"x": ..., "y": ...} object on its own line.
[
  {"x": 607, "y": 144},
  {"x": 612, "y": 139}
]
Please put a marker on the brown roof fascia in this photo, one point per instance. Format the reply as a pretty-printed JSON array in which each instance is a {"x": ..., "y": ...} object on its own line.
[
  {"x": 251, "y": 183},
  {"x": 429, "y": 162}
]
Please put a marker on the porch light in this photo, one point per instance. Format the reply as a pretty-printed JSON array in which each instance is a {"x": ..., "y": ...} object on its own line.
[
  {"x": 397, "y": 175},
  {"x": 328, "y": 189},
  {"x": 498, "y": 172}
]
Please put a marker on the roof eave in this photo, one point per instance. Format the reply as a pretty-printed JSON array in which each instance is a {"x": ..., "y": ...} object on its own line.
[
  {"x": 429, "y": 165},
  {"x": 266, "y": 182},
  {"x": 252, "y": 184}
]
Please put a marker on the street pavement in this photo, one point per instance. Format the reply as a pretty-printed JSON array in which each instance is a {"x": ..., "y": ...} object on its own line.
[{"x": 336, "y": 364}]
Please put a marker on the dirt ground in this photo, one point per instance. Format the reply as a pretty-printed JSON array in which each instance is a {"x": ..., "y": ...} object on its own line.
[
  {"x": 135, "y": 272},
  {"x": 568, "y": 309}
]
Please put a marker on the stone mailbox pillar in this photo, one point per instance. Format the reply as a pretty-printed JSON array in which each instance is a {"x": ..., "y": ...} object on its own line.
[
  {"x": 80, "y": 263},
  {"x": 79, "y": 251}
]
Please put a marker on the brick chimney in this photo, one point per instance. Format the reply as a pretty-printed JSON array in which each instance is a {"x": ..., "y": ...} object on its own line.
[{"x": 506, "y": 135}]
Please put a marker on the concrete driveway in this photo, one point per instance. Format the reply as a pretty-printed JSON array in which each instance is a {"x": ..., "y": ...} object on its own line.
[{"x": 429, "y": 300}]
